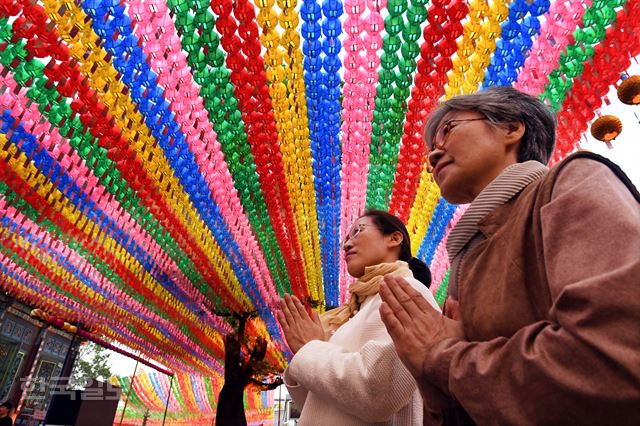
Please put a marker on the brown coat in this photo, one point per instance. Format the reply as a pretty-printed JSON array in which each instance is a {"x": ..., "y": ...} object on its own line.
[{"x": 550, "y": 303}]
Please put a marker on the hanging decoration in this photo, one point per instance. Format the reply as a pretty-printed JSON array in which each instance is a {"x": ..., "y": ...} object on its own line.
[
  {"x": 629, "y": 90},
  {"x": 192, "y": 400},
  {"x": 167, "y": 163},
  {"x": 606, "y": 128}
]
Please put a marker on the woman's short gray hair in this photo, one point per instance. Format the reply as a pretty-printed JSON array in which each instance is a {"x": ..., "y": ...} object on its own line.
[{"x": 502, "y": 105}]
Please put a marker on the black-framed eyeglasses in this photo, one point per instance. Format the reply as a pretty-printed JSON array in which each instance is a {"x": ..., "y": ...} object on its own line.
[{"x": 354, "y": 232}]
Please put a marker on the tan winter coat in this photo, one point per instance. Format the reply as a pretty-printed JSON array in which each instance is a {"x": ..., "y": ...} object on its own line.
[{"x": 549, "y": 297}]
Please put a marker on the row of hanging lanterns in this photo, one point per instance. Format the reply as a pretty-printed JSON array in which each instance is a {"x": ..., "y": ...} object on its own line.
[{"x": 608, "y": 127}]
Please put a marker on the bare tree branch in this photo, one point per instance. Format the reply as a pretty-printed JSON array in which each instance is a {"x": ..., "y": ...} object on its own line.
[{"x": 268, "y": 385}]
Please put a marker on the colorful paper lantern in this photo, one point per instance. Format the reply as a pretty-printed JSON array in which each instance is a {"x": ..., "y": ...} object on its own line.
[
  {"x": 629, "y": 90},
  {"x": 165, "y": 161},
  {"x": 606, "y": 128}
]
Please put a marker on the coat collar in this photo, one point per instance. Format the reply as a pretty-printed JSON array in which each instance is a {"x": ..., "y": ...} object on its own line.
[{"x": 510, "y": 182}]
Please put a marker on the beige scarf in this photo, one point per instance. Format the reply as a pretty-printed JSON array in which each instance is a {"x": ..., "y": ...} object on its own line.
[
  {"x": 367, "y": 285},
  {"x": 510, "y": 182}
]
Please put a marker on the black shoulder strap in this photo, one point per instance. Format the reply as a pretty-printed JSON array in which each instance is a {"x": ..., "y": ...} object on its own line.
[{"x": 613, "y": 166}]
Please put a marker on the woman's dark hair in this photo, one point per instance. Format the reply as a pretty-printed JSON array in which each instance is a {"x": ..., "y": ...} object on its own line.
[{"x": 388, "y": 224}]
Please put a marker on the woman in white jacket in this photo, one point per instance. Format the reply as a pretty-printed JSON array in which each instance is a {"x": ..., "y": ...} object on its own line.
[{"x": 345, "y": 370}]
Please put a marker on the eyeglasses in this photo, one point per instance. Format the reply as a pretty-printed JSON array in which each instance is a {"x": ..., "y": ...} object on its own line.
[
  {"x": 354, "y": 232},
  {"x": 442, "y": 134}
]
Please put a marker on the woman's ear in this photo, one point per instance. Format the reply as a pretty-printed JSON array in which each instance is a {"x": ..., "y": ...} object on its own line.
[
  {"x": 514, "y": 132},
  {"x": 394, "y": 239}
]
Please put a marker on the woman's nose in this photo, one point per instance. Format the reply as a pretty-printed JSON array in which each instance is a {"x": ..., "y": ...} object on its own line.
[{"x": 433, "y": 157}]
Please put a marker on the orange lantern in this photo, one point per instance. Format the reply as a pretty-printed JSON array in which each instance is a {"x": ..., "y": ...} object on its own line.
[
  {"x": 606, "y": 128},
  {"x": 629, "y": 91}
]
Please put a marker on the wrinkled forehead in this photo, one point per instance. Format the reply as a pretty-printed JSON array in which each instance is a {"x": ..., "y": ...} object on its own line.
[
  {"x": 456, "y": 114},
  {"x": 363, "y": 220},
  {"x": 436, "y": 119},
  {"x": 450, "y": 115},
  {"x": 441, "y": 116}
]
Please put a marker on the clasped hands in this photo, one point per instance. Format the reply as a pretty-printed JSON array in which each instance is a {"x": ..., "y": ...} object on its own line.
[
  {"x": 298, "y": 326},
  {"x": 414, "y": 325}
]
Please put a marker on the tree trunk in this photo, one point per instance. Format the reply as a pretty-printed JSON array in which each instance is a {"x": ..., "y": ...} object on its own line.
[
  {"x": 230, "y": 411},
  {"x": 239, "y": 369}
]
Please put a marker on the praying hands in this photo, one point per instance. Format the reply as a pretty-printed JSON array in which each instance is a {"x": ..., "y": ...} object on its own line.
[
  {"x": 299, "y": 327},
  {"x": 413, "y": 324}
]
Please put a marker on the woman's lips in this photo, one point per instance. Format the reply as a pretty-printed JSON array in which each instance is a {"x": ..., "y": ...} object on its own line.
[
  {"x": 439, "y": 168},
  {"x": 348, "y": 255}
]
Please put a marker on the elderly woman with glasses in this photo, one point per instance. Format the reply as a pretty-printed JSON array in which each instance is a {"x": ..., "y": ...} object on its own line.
[
  {"x": 345, "y": 370},
  {"x": 543, "y": 305}
]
